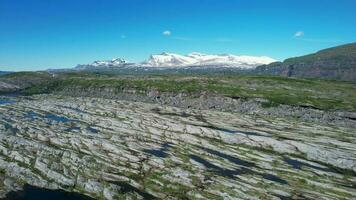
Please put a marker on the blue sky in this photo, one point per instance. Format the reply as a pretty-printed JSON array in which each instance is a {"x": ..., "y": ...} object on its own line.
[{"x": 41, "y": 34}]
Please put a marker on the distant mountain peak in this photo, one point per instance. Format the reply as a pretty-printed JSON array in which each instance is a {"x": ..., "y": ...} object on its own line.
[{"x": 115, "y": 62}]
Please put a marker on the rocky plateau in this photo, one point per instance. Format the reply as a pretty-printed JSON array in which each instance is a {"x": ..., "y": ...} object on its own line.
[{"x": 117, "y": 149}]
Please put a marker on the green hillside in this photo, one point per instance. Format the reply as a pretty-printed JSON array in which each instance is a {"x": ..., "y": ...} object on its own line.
[
  {"x": 344, "y": 55},
  {"x": 333, "y": 63}
]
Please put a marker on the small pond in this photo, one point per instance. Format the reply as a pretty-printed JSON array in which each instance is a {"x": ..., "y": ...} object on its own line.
[
  {"x": 34, "y": 193},
  {"x": 7, "y": 101}
]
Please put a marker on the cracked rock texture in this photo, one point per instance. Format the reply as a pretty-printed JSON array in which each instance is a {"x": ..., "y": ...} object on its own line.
[{"x": 115, "y": 149}]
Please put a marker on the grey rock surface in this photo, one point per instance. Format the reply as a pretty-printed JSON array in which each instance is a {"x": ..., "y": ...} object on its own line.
[{"x": 110, "y": 149}]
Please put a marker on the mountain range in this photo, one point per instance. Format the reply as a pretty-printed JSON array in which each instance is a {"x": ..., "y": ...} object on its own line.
[
  {"x": 172, "y": 60},
  {"x": 333, "y": 63},
  {"x": 199, "y": 59}
]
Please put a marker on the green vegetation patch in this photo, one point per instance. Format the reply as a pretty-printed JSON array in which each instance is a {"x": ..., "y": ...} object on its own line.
[{"x": 320, "y": 94}]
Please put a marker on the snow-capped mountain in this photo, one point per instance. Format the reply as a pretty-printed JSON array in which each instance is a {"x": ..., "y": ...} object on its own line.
[
  {"x": 117, "y": 62},
  {"x": 171, "y": 60},
  {"x": 199, "y": 59},
  {"x": 168, "y": 60},
  {"x": 113, "y": 62}
]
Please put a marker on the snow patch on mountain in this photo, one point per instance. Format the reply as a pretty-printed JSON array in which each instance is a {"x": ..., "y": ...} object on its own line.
[
  {"x": 117, "y": 62},
  {"x": 199, "y": 59},
  {"x": 113, "y": 62}
]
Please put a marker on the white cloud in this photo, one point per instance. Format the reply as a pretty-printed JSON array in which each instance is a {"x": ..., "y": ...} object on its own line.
[
  {"x": 299, "y": 34},
  {"x": 167, "y": 33}
]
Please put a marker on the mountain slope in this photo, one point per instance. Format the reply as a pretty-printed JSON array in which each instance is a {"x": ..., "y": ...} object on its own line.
[{"x": 333, "y": 63}]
